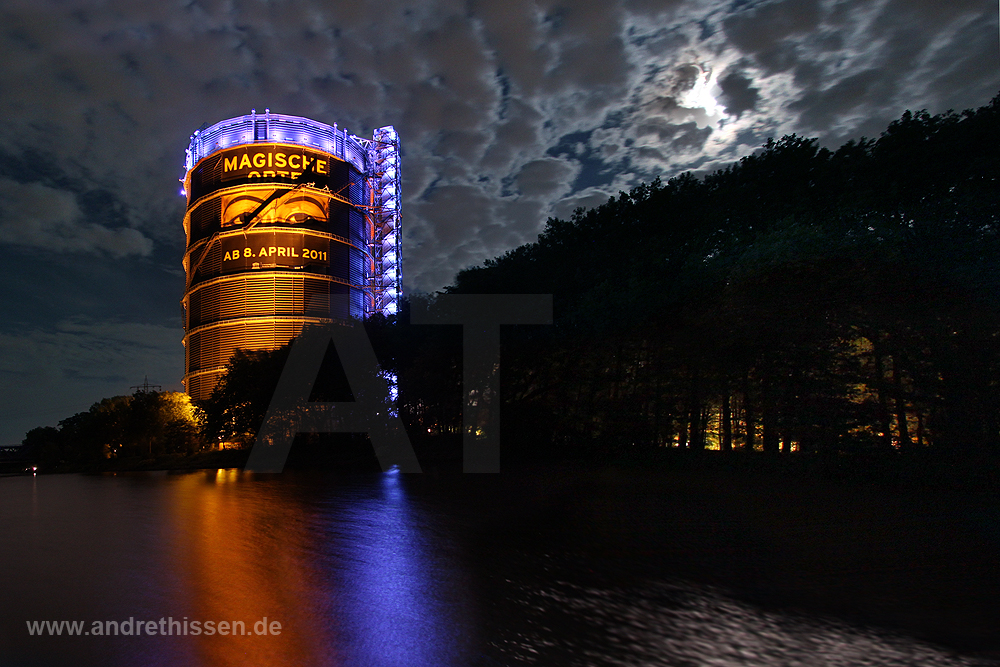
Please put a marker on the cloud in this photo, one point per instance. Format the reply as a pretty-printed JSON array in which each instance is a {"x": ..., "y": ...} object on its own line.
[
  {"x": 35, "y": 215},
  {"x": 548, "y": 178},
  {"x": 764, "y": 28},
  {"x": 738, "y": 95},
  {"x": 585, "y": 199}
]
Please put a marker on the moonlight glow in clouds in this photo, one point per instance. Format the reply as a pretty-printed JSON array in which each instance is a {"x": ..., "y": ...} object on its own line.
[{"x": 701, "y": 96}]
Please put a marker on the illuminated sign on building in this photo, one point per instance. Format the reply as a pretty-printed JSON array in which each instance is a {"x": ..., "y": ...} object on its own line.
[
  {"x": 272, "y": 248},
  {"x": 284, "y": 213},
  {"x": 270, "y": 163}
]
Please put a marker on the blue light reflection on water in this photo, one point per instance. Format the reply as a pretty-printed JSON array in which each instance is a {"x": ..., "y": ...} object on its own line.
[
  {"x": 376, "y": 570},
  {"x": 393, "y": 587}
]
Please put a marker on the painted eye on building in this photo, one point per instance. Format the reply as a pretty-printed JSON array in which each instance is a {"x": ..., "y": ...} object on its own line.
[
  {"x": 297, "y": 209},
  {"x": 235, "y": 209}
]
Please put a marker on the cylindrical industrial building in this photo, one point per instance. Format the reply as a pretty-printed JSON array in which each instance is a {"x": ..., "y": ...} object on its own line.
[{"x": 288, "y": 222}]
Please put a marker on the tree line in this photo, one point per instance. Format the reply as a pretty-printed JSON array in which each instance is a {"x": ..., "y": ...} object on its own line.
[
  {"x": 800, "y": 300},
  {"x": 145, "y": 425}
]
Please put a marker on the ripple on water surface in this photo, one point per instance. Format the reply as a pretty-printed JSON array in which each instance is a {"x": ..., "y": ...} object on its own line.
[{"x": 681, "y": 625}]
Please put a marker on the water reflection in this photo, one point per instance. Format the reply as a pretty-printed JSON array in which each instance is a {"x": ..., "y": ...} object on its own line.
[
  {"x": 354, "y": 570},
  {"x": 399, "y": 596},
  {"x": 241, "y": 549},
  {"x": 676, "y": 623},
  {"x": 371, "y": 571}
]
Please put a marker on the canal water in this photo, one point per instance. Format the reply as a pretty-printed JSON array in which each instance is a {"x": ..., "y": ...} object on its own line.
[{"x": 553, "y": 567}]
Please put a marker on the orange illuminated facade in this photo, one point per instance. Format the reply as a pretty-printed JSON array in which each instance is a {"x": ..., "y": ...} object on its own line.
[{"x": 288, "y": 222}]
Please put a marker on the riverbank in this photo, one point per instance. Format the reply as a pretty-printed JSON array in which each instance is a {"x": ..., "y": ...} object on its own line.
[{"x": 443, "y": 454}]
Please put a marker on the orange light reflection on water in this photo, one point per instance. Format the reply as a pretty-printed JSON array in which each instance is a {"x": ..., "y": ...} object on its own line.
[{"x": 241, "y": 552}]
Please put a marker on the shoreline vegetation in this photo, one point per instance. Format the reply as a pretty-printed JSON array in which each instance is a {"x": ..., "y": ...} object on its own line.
[
  {"x": 442, "y": 454},
  {"x": 825, "y": 309}
]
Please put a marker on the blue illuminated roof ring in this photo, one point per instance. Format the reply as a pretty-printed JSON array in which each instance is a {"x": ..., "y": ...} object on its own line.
[{"x": 277, "y": 128}]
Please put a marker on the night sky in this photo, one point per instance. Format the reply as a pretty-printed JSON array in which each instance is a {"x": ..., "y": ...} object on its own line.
[{"x": 508, "y": 112}]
